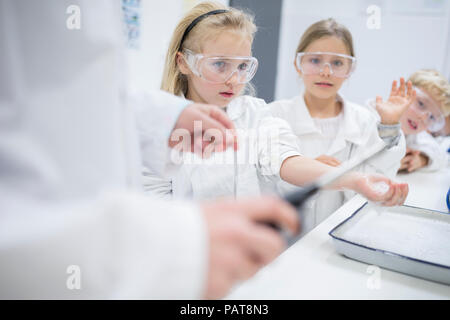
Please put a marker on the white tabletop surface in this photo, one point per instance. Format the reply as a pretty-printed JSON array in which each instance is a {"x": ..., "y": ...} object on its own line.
[{"x": 312, "y": 269}]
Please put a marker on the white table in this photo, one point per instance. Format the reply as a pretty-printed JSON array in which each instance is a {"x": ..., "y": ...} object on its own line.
[
  {"x": 312, "y": 269},
  {"x": 427, "y": 189}
]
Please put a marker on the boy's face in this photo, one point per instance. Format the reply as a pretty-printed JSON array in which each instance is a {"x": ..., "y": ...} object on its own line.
[
  {"x": 412, "y": 122},
  {"x": 417, "y": 117},
  {"x": 221, "y": 94}
]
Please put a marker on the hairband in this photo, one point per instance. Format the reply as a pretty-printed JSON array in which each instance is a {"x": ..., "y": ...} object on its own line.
[{"x": 197, "y": 20}]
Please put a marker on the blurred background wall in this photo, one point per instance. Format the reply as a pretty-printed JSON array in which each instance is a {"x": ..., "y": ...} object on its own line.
[{"x": 412, "y": 34}]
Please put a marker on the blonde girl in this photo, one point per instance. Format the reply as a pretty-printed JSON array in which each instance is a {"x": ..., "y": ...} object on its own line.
[
  {"x": 210, "y": 61},
  {"x": 330, "y": 128}
]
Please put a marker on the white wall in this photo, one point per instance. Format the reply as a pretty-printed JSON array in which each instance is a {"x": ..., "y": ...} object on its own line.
[
  {"x": 158, "y": 20},
  {"x": 414, "y": 34}
]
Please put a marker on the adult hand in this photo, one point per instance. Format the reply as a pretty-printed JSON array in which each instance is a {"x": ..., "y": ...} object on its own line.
[
  {"x": 200, "y": 125},
  {"x": 239, "y": 243}
]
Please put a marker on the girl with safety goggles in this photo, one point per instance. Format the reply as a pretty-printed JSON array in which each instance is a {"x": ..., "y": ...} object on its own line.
[
  {"x": 209, "y": 60},
  {"x": 426, "y": 115},
  {"x": 330, "y": 128}
]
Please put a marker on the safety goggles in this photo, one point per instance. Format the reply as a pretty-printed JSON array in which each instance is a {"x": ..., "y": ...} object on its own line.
[
  {"x": 339, "y": 65},
  {"x": 219, "y": 69},
  {"x": 429, "y": 111}
]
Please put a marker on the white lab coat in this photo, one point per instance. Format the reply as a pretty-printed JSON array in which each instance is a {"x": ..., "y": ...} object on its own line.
[
  {"x": 69, "y": 161},
  {"x": 264, "y": 143},
  {"x": 358, "y": 130},
  {"x": 425, "y": 143},
  {"x": 444, "y": 144}
]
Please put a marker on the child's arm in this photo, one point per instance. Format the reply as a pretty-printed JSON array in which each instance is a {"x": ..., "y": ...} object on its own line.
[{"x": 300, "y": 170}]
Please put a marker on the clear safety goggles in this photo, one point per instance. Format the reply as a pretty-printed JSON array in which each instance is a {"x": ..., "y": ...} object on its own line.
[
  {"x": 429, "y": 111},
  {"x": 339, "y": 65},
  {"x": 219, "y": 69}
]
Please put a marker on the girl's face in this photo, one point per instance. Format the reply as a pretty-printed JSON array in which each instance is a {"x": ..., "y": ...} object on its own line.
[
  {"x": 228, "y": 43},
  {"x": 324, "y": 85}
]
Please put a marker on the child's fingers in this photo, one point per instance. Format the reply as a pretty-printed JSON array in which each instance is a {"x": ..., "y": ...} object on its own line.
[
  {"x": 329, "y": 160},
  {"x": 409, "y": 89},
  {"x": 394, "y": 88},
  {"x": 333, "y": 163},
  {"x": 396, "y": 196},
  {"x": 405, "y": 190},
  {"x": 409, "y": 151},
  {"x": 402, "y": 87},
  {"x": 378, "y": 100},
  {"x": 406, "y": 158},
  {"x": 413, "y": 165},
  {"x": 413, "y": 96},
  {"x": 411, "y": 93}
]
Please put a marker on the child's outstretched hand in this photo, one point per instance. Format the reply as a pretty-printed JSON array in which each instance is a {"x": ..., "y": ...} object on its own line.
[
  {"x": 380, "y": 189},
  {"x": 390, "y": 111}
]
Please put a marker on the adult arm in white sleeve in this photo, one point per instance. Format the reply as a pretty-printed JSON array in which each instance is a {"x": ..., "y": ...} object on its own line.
[
  {"x": 123, "y": 246},
  {"x": 67, "y": 140},
  {"x": 156, "y": 114}
]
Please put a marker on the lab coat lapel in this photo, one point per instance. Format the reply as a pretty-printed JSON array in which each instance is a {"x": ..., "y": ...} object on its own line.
[
  {"x": 351, "y": 131},
  {"x": 306, "y": 124}
]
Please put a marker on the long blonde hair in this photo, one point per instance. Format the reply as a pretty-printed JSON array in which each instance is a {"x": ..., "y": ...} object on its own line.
[
  {"x": 326, "y": 28},
  {"x": 173, "y": 80}
]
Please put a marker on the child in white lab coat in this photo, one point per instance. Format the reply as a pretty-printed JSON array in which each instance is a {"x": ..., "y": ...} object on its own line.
[
  {"x": 209, "y": 61},
  {"x": 427, "y": 113},
  {"x": 330, "y": 128}
]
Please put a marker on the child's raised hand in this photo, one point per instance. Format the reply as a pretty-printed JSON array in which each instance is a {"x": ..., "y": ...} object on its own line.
[
  {"x": 331, "y": 161},
  {"x": 390, "y": 111}
]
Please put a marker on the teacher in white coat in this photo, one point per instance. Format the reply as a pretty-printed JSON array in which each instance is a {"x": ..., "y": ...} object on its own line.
[{"x": 73, "y": 221}]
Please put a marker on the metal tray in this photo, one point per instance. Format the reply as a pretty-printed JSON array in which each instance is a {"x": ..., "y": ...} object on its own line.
[{"x": 406, "y": 239}]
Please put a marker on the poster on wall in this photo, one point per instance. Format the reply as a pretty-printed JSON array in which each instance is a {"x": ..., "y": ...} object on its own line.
[{"x": 132, "y": 22}]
